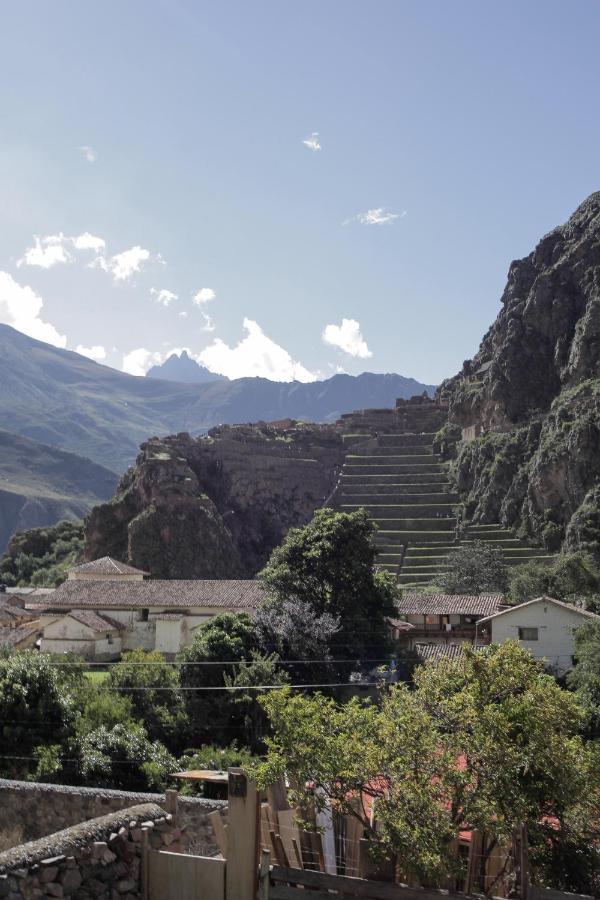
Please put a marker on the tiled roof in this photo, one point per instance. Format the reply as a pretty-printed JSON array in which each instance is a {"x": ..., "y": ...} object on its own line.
[
  {"x": 95, "y": 620},
  {"x": 570, "y": 606},
  {"x": 90, "y": 594},
  {"x": 13, "y": 636},
  {"x": 439, "y": 651},
  {"x": 447, "y": 604},
  {"x": 106, "y": 565}
]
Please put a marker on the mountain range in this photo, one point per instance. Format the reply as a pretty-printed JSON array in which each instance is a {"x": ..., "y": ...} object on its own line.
[
  {"x": 60, "y": 400},
  {"x": 184, "y": 369}
]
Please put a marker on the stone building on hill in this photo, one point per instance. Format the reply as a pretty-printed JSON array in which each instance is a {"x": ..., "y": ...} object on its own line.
[{"x": 105, "y": 607}]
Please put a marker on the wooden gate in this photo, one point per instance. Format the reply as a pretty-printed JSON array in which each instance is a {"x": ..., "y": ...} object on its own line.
[{"x": 179, "y": 876}]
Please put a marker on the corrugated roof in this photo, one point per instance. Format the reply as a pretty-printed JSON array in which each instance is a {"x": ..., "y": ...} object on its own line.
[
  {"x": 226, "y": 594},
  {"x": 95, "y": 620},
  {"x": 449, "y": 604},
  {"x": 106, "y": 565}
]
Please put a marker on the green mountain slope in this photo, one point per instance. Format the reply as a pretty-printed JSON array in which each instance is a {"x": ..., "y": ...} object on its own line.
[
  {"x": 60, "y": 398},
  {"x": 40, "y": 485}
]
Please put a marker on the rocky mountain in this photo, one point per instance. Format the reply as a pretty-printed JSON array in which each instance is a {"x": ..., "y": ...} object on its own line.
[
  {"x": 215, "y": 506},
  {"x": 184, "y": 369},
  {"x": 66, "y": 400},
  {"x": 529, "y": 401},
  {"x": 40, "y": 485}
]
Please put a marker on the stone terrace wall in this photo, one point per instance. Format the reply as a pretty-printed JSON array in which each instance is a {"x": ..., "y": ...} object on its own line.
[
  {"x": 30, "y": 810},
  {"x": 96, "y": 859}
]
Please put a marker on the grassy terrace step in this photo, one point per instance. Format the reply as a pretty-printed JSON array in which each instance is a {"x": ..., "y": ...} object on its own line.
[
  {"x": 432, "y": 468},
  {"x": 383, "y": 452},
  {"x": 366, "y": 478},
  {"x": 404, "y": 523},
  {"x": 371, "y": 460},
  {"x": 392, "y": 488},
  {"x": 435, "y": 511},
  {"x": 378, "y": 498},
  {"x": 413, "y": 581},
  {"x": 406, "y": 536}
]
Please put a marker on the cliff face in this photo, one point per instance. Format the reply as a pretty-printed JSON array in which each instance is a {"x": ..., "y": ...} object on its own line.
[
  {"x": 215, "y": 506},
  {"x": 532, "y": 392}
]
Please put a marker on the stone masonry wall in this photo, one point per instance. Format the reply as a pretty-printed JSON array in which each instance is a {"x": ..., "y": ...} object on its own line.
[
  {"x": 30, "y": 810},
  {"x": 101, "y": 858}
]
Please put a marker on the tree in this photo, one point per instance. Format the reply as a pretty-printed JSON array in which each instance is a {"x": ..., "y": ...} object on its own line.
[
  {"x": 572, "y": 577},
  {"x": 329, "y": 565},
  {"x": 485, "y": 742},
  {"x": 293, "y": 630},
  {"x": 219, "y": 646},
  {"x": 260, "y": 670},
  {"x": 584, "y": 677},
  {"x": 36, "y": 708},
  {"x": 122, "y": 757},
  {"x": 100, "y": 705},
  {"x": 152, "y": 685},
  {"x": 474, "y": 569}
]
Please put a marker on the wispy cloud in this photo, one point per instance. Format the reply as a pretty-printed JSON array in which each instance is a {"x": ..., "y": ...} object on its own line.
[
  {"x": 163, "y": 296},
  {"x": 347, "y": 337},
  {"x": 122, "y": 266},
  {"x": 96, "y": 352},
  {"x": 204, "y": 295},
  {"x": 209, "y": 324},
  {"x": 378, "y": 216},
  {"x": 89, "y": 154},
  {"x": 312, "y": 142},
  {"x": 20, "y": 307},
  {"x": 52, "y": 249},
  {"x": 255, "y": 355},
  {"x": 137, "y": 362}
]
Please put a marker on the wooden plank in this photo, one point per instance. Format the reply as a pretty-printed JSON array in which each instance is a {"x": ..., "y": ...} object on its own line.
[
  {"x": 179, "y": 876},
  {"x": 358, "y": 887},
  {"x": 279, "y": 848},
  {"x": 242, "y": 837},
  {"x": 289, "y": 832},
  {"x": 277, "y": 795},
  {"x": 264, "y": 876},
  {"x": 220, "y": 830},
  {"x": 286, "y": 892},
  {"x": 354, "y": 832}
]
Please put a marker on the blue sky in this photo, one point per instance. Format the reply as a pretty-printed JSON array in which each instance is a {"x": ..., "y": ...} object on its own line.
[{"x": 475, "y": 124}]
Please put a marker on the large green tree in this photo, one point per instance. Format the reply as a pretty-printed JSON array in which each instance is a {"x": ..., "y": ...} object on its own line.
[
  {"x": 486, "y": 742},
  {"x": 584, "y": 677},
  {"x": 330, "y": 566},
  {"x": 476, "y": 568}
]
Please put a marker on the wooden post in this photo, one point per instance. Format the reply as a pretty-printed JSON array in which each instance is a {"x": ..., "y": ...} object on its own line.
[
  {"x": 145, "y": 865},
  {"x": 264, "y": 876},
  {"x": 171, "y": 803},
  {"x": 524, "y": 860},
  {"x": 242, "y": 838}
]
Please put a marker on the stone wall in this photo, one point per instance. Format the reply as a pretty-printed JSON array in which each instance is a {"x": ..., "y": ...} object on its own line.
[
  {"x": 30, "y": 810},
  {"x": 101, "y": 858}
]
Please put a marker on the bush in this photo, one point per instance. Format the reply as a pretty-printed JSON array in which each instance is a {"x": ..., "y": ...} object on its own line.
[
  {"x": 122, "y": 757},
  {"x": 572, "y": 577},
  {"x": 474, "y": 569}
]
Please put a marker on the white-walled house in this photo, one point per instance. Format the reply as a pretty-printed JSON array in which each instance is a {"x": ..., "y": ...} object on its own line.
[
  {"x": 544, "y": 626},
  {"x": 441, "y": 619},
  {"x": 105, "y": 607}
]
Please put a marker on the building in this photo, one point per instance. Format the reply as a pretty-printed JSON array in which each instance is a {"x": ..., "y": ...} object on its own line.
[
  {"x": 441, "y": 620},
  {"x": 544, "y": 626},
  {"x": 105, "y": 607},
  {"x": 20, "y": 628}
]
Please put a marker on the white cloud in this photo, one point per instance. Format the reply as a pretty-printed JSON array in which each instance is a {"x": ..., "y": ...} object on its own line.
[
  {"x": 256, "y": 355},
  {"x": 347, "y": 337},
  {"x": 57, "y": 248},
  {"x": 87, "y": 241},
  {"x": 163, "y": 296},
  {"x": 123, "y": 265},
  {"x": 204, "y": 295},
  {"x": 312, "y": 142},
  {"x": 183, "y": 314},
  {"x": 378, "y": 216},
  {"x": 20, "y": 307},
  {"x": 209, "y": 325},
  {"x": 97, "y": 352},
  {"x": 137, "y": 362},
  {"x": 89, "y": 154}
]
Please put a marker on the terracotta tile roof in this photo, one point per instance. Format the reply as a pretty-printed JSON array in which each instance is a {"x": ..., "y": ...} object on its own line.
[
  {"x": 106, "y": 565},
  {"x": 14, "y": 636},
  {"x": 447, "y": 604},
  {"x": 225, "y": 594},
  {"x": 95, "y": 620},
  {"x": 439, "y": 651},
  {"x": 544, "y": 599}
]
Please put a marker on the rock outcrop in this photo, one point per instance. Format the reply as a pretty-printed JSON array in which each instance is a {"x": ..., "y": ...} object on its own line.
[
  {"x": 215, "y": 506},
  {"x": 529, "y": 401}
]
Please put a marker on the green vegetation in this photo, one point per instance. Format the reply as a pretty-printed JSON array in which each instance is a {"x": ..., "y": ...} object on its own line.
[
  {"x": 584, "y": 677},
  {"x": 476, "y": 568},
  {"x": 41, "y": 556},
  {"x": 571, "y": 577},
  {"x": 486, "y": 742}
]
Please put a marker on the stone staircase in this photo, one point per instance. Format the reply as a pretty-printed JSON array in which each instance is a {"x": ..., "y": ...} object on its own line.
[{"x": 390, "y": 470}]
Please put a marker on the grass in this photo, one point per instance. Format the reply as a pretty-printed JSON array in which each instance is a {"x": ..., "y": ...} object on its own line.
[{"x": 96, "y": 675}]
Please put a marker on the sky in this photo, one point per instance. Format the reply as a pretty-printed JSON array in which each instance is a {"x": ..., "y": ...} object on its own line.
[{"x": 286, "y": 189}]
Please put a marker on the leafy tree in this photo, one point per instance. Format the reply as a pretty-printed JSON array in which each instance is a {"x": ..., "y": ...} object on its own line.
[
  {"x": 152, "y": 686},
  {"x": 212, "y": 756},
  {"x": 219, "y": 646},
  {"x": 486, "y": 742},
  {"x": 100, "y": 705},
  {"x": 572, "y": 577},
  {"x": 122, "y": 757},
  {"x": 36, "y": 708},
  {"x": 474, "y": 569},
  {"x": 41, "y": 556},
  {"x": 584, "y": 677},
  {"x": 329, "y": 565},
  {"x": 260, "y": 670},
  {"x": 293, "y": 630}
]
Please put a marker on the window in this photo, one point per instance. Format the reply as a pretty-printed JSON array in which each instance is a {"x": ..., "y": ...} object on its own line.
[
  {"x": 145, "y": 615},
  {"x": 528, "y": 634}
]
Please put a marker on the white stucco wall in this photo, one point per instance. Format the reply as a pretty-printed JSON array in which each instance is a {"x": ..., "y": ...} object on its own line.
[
  {"x": 168, "y": 636},
  {"x": 555, "y": 626}
]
